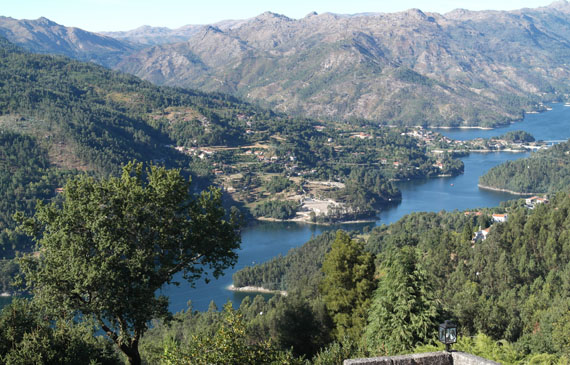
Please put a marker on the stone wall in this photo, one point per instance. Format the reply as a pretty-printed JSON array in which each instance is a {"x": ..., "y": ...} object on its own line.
[{"x": 427, "y": 358}]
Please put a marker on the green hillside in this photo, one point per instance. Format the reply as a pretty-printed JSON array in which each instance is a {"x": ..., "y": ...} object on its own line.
[
  {"x": 545, "y": 171},
  {"x": 80, "y": 117},
  {"x": 60, "y": 117},
  {"x": 512, "y": 286}
]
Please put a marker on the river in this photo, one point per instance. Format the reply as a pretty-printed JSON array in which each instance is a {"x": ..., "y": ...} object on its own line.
[
  {"x": 263, "y": 241},
  {"x": 548, "y": 126}
]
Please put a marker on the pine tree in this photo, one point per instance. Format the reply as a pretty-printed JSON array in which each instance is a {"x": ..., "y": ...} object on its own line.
[
  {"x": 404, "y": 310},
  {"x": 348, "y": 285}
]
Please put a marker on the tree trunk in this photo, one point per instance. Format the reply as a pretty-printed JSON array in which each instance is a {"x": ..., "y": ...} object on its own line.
[
  {"x": 132, "y": 353},
  {"x": 135, "y": 359}
]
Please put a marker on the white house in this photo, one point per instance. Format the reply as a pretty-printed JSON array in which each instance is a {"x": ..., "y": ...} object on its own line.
[
  {"x": 481, "y": 235},
  {"x": 500, "y": 217},
  {"x": 534, "y": 200}
]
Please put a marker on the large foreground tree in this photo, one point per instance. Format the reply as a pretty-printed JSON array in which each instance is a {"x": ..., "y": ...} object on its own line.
[
  {"x": 404, "y": 310},
  {"x": 347, "y": 285},
  {"x": 107, "y": 249}
]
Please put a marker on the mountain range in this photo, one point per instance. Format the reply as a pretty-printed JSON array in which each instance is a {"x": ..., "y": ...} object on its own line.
[
  {"x": 45, "y": 36},
  {"x": 462, "y": 68}
]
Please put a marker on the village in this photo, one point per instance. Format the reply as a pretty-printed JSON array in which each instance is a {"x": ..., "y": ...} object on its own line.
[
  {"x": 244, "y": 171},
  {"x": 441, "y": 144}
]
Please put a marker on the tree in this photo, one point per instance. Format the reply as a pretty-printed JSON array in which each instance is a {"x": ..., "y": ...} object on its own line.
[
  {"x": 404, "y": 311},
  {"x": 228, "y": 345},
  {"x": 297, "y": 327},
  {"x": 347, "y": 285},
  {"x": 30, "y": 334},
  {"x": 114, "y": 242}
]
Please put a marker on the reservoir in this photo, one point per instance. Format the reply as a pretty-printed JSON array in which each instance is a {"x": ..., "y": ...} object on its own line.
[
  {"x": 263, "y": 241},
  {"x": 552, "y": 125}
]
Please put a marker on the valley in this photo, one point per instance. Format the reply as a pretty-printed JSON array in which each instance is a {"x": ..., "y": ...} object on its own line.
[{"x": 286, "y": 190}]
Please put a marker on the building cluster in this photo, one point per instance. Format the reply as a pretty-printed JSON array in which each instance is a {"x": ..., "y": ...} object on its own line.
[
  {"x": 530, "y": 203},
  {"x": 533, "y": 201},
  {"x": 482, "y": 234}
]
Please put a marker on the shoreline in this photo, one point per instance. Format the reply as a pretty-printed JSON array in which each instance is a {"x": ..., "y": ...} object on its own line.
[
  {"x": 491, "y": 151},
  {"x": 467, "y": 127},
  {"x": 485, "y": 187},
  {"x": 255, "y": 289},
  {"x": 301, "y": 220}
]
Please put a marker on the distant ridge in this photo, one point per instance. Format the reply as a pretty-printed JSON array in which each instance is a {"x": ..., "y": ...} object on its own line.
[
  {"x": 45, "y": 36},
  {"x": 149, "y": 36},
  {"x": 464, "y": 68}
]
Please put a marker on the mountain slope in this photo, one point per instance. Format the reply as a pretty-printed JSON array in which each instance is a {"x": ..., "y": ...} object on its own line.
[
  {"x": 59, "y": 116},
  {"x": 105, "y": 118},
  {"x": 461, "y": 68},
  {"x": 45, "y": 36}
]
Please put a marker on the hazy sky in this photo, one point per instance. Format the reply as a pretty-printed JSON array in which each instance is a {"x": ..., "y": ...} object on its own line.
[{"x": 100, "y": 15}]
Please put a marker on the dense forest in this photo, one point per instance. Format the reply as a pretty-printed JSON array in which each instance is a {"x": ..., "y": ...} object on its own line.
[
  {"x": 60, "y": 117},
  {"x": 513, "y": 286},
  {"x": 25, "y": 176},
  {"x": 545, "y": 171},
  {"x": 384, "y": 292}
]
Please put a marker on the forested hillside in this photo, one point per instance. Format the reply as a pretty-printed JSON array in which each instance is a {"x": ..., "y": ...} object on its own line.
[
  {"x": 514, "y": 285},
  {"x": 58, "y": 116},
  {"x": 93, "y": 119},
  {"x": 103, "y": 117},
  {"x": 299, "y": 269},
  {"x": 545, "y": 171}
]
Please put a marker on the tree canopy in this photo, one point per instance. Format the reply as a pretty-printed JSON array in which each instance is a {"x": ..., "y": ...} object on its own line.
[
  {"x": 114, "y": 242},
  {"x": 545, "y": 171}
]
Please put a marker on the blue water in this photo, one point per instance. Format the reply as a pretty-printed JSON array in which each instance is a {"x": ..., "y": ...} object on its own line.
[
  {"x": 263, "y": 241},
  {"x": 546, "y": 126},
  {"x": 260, "y": 243},
  {"x": 450, "y": 193}
]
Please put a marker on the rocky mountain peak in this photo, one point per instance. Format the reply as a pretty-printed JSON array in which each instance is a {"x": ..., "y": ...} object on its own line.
[
  {"x": 561, "y": 5},
  {"x": 43, "y": 21},
  {"x": 43, "y": 35},
  {"x": 269, "y": 16},
  {"x": 416, "y": 14},
  {"x": 211, "y": 29}
]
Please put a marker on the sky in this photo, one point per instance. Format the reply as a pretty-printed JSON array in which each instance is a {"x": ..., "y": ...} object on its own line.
[{"x": 117, "y": 15}]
